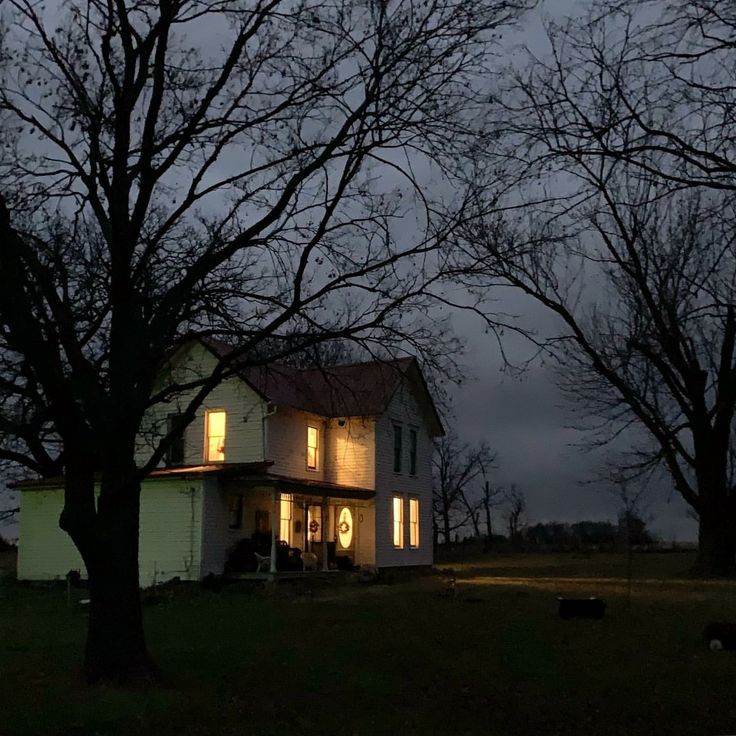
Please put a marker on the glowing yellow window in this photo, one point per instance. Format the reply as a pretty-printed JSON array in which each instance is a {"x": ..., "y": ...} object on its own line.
[
  {"x": 398, "y": 522},
  {"x": 285, "y": 526},
  {"x": 312, "y": 447},
  {"x": 413, "y": 522},
  {"x": 214, "y": 444}
]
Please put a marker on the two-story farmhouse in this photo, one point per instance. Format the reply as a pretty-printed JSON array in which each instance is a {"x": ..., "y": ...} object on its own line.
[{"x": 333, "y": 462}]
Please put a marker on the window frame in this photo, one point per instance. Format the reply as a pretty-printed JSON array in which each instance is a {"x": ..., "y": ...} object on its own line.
[
  {"x": 397, "y": 525},
  {"x": 207, "y": 414},
  {"x": 413, "y": 450},
  {"x": 286, "y": 500},
  {"x": 235, "y": 506},
  {"x": 314, "y": 468},
  {"x": 398, "y": 447},
  {"x": 414, "y": 525},
  {"x": 178, "y": 443}
]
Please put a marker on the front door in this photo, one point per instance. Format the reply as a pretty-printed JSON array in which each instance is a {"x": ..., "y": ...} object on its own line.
[{"x": 346, "y": 531}]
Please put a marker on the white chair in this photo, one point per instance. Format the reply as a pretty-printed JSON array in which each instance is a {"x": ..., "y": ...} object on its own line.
[
  {"x": 263, "y": 563},
  {"x": 309, "y": 561}
]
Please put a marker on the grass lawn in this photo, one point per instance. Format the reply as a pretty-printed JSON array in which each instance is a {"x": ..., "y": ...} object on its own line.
[{"x": 399, "y": 659}]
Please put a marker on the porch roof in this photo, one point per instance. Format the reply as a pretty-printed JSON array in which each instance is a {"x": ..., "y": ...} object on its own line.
[
  {"x": 249, "y": 474},
  {"x": 308, "y": 486}
]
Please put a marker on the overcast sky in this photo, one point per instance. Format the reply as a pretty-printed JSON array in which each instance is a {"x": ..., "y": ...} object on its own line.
[{"x": 526, "y": 420}]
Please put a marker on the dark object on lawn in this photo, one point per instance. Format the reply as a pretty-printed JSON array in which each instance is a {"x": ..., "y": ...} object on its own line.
[
  {"x": 720, "y": 636},
  {"x": 582, "y": 608},
  {"x": 74, "y": 578}
]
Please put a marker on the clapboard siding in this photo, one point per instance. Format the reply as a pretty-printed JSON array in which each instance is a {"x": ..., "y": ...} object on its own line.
[
  {"x": 170, "y": 534},
  {"x": 286, "y": 438},
  {"x": 404, "y": 410},
  {"x": 245, "y": 413},
  {"x": 350, "y": 452},
  {"x": 214, "y": 527},
  {"x": 365, "y": 546}
]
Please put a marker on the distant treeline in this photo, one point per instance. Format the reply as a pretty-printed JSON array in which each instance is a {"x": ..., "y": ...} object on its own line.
[
  {"x": 602, "y": 535},
  {"x": 553, "y": 536}
]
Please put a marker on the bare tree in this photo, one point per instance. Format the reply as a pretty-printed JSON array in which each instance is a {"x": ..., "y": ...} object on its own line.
[
  {"x": 491, "y": 499},
  {"x": 153, "y": 185},
  {"x": 623, "y": 156},
  {"x": 515, "y": 509},
  {"x": 459, "y": 471}
]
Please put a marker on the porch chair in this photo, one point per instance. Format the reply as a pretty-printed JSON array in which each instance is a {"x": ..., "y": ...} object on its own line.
[{"x": 263, "y": 562}]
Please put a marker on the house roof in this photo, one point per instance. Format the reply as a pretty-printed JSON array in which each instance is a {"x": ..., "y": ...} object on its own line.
[{"x": 356, "y": 389}]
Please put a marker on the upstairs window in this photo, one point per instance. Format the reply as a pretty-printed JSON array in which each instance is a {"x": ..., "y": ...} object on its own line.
[
  {"x": 397, "y": 448},
  {"x": 398, "y": 522},
  {"x": 175, "y": 453},
  {"x": 412, "y": 452},
  {"x": 413, "y": 522},
  {"x": 312, "y": 447},
  {"x": 214, "y": 441}
]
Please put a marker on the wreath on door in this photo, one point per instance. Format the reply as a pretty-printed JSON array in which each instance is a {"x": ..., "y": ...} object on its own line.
[
  {"x": 314, "y": 526},
  {"x": 344, "y": 527}
]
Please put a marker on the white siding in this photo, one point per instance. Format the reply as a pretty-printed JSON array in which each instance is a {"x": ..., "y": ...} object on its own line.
[
  {"x": 403, "y": 410},
  {"x": 245, "y": 412},
  {"x": 170, "y": 539},
  {"x": 286, "y": 438},
  {"x": 350, "y": 452},
  {"x": 215, "y": 521},
  {"x": 365, "y": 546}
]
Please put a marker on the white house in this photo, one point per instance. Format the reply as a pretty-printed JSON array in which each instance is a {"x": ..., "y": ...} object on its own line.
[{"x": 334, "y": 462}]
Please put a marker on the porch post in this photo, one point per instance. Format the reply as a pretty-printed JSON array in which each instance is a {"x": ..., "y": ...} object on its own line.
[
  {"x": 274, "y": 511},
  {"x": 325, "y": 521}
]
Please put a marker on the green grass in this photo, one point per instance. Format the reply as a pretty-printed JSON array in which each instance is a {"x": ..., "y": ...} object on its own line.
[{"x": 495, "y": 659}]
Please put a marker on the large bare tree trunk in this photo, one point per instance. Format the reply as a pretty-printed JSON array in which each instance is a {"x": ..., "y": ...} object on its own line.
[
  {"x": 116, "y": 647},
  {"x": 716, "y": 544},
  {"x": 107, "y": 539}
]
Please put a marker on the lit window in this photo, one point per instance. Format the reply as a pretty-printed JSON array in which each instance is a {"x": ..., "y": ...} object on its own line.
[
  {"x": 412, "y": 452},
  {"x": 215, "y": 423},
  {"x": 312, "y": 447},
  {"x": 236, "y": 511},
  {"x": 397, "y": 448},
  {"x": 285, "y": 526},
  {"x": 398, "y": 522},
  {"x": 413, "y": 522}
]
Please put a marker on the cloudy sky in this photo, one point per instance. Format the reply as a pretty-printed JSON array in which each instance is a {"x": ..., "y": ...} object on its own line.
[{"x": 526, "y": 420}]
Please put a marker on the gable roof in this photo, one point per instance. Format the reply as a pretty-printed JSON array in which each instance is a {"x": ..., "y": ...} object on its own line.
[{"x": 357, "y": 389}]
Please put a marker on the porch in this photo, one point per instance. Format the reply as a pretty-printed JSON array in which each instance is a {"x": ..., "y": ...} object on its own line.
[{"x": 298, "y": 527}]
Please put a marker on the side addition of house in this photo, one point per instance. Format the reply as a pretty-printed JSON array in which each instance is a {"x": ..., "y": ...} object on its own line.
[{"x": 282, "y": 469}]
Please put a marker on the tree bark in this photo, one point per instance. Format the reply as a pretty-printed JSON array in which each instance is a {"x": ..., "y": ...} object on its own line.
[
  {"x": 716, "y": 544},
  {"x": 107, "y": 539}
]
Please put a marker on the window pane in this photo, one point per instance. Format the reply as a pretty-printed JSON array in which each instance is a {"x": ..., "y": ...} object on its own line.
[
  {"x": 312, "y": 447},
  {"x": 216, "y": 424},
  {"x": 413, "y": 522},
  {"x": 397, "y": 448},
  {"x": 398, "y": 521},
  {"x": 285, "y": 522},
  {"x": 413, "y": 452},
  {"x": 175, "y": 453}
]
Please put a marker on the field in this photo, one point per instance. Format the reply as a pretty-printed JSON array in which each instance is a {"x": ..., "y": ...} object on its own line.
[{"x": 403, "y": 658}]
